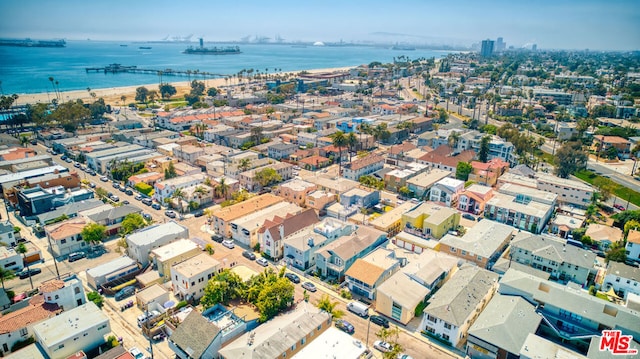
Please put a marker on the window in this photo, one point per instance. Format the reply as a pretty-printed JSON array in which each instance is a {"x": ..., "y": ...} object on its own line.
[
  {"x": 293, "y": 347},
  {"x": 63, "y": 241},
  {"x": 57, "y": 296},
  {"x": 61, "y": 346},
  {"x": 303, "y": 341},
  {"x": 445, "y": 337},
  {"x": 76, "y": 290},
  {"x": 102, "y": 327},
  {"x": 447, "y": 325},
  {"x": 432, "y": 318},
  {"x": 320, "y": 327},
  {"x": 23, "y": 332}
]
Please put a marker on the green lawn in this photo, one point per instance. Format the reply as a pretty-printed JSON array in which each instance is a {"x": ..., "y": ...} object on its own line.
[{"x": 619, "y": 191}]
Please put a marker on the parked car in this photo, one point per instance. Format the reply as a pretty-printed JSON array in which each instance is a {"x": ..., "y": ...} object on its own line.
[
  {"x": 309, "y": 286},
  {"x": 156, "y": 206},
  {"x": 92, "y": 185},
  {"x": 68, "y": 160},
  {"x": 76, "y": 165},
  {"x": 249, "y": 255},
  {"x": 382, "y": 346},
  {"x": 170, "y": 214},
  {"x": 228, "y": 243},
  {"x": 125, "y": 202},
  {"x": 137, "y": 354},
  {"x": 468, "y": 216},
  {"x": 75, "y": 256},
  {"x": 115, "y": 198},
  {"x": 125, "y": 292},
  {"x": 381, "y": 321},
  {"x": 404, "y": 356},
  {"x": 138, "y": 197},
  {"x": 217, "y": 238},
  {"x": 199, "y": 213},
  {"x": 619, "y": 206},
  {"x": 129, "y": 192},
  {"x": 147, "y": 201},
  {"x": 358, "y": 308},
  {"x": 345, "y": 326},
  {"x": 104, "y": 179},
  {"x": 263, "y": 262},
  {"x": 116, "y": 185},
  {"x": 292, "y": 277},
  {"x": 146, "y": 216},
  {"x": 23, "y": 274}
]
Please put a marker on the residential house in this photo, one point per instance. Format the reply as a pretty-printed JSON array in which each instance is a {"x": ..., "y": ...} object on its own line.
[
  {"x": 521, "y": 207},
  {"x": 344, "y": 346},
  {"x": 549, "y": 254},
  {"x": 502, "y": 328},
  {"x": 250, "y": 179},
  {"x": 281, "y": 151},
  {"x": 313, "y": 163},
  {"x": 569, "y": 315},
  {"x": 196, "y": 195},
  {"x": 352, "y": 201},
  {"x": 166, "y": 256},
  {"x": 66, "y": 292},
  {"x": 189, "y": 278},
  {"x": 447, "y": 191},
  {"x": 430, "y": 220},
  {"x": 149, "y": 178},
  {"x": 362, "y": 166},
  {"x": 336, "y": 258},
  {"x": 563, "y": 225},
  {"x": 272, "y": 234},
  {"x": 443, "y": 158},
  {"x": 281, "y": 337},
  {"x": 69, "y": 211},
  {"x": 622, "y": 278},
  {"x": 498, "y": 148},
  {"x": 391, "y": 222},
  {"x": 603, "y": 144},
  {"x": 337, "y": 185},
  {"x": 396, "y": 153},
  {"x": 489, "y": 172},
  {"x": 165, "y": 189},
  {"x": 319, "y": 200},
  {"x": 141, "y": 242},
  {"x": 18, "y": 325},
  {"x": 420, "y": 274},
  {"x": 244, "y": 230},
  {"x": 367, "y": 273},
  {"x": 633, "y": 245},
  {"x": 222, "y": 218},
  {"x": 474, "y": 198},
  {"x": 188, "y": 153},
  {"x": 295, "y": 191},
  {"x": 65, "y": 237},
  {"x": 110, "y": 271},
  {"x": 109, "y": 216},
  {"x": 7, "y": 235},
  {"x": 420, "y": 184},
  {"x": 570, "y": 192},
  {"x": 455, "y": 307},
  {"x": 482, "y": 244},
  {"x": 195, "y": 338},
  {"x": 82, "y": 328},
  {"x": 301, "y": 246},
  {"x": 603, "y": 235},
  {"x": 37, "y": 200},
  {"x": 10, "y": 259}
]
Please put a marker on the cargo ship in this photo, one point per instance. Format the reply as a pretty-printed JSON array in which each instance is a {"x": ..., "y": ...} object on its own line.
[
  {"x": 201, "y": 50},
  {"x": 32, "y": 43}
]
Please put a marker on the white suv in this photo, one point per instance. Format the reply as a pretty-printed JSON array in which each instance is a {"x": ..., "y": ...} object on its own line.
[{"x": 228, "y": 243}]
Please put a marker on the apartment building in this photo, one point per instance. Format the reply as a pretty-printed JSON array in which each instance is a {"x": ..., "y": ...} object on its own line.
[
  {"x": 362, "y": 166},
  {"x": 521, "y": 207},
  {"x": 190, "y": 277},
  {"x": 482, "y": 244},
  {"x": 222, "y": 219}
]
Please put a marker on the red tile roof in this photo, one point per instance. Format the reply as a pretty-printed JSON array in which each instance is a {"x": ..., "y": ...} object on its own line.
[
  {"x": 442, "y": 155},
  {"x": 36, "y": 311}
]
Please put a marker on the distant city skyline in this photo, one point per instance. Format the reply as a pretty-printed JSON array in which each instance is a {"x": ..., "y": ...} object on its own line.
[{"x": 569, "y": 24}]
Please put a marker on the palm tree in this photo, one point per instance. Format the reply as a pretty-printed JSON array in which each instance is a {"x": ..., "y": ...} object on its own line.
[
  {"x": 180, "y": 195},
  {"x": 22, "y": 249},
  {"x": 222, "y": 188},
  {"x": 325, "y": 303},
  {"x": 6, "y": 274},
  {"x": 339, "y": 141},
  {"x": 352, "y": 142},
  {"x": 244, "y": 164},
  {"x": 453, "y": 139}
]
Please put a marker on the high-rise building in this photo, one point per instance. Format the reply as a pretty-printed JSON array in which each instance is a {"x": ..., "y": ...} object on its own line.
[
  {"x": 534, "y": 47},
  {"x": 500, "y": 45},
  {"x": 486, "y": 48}
]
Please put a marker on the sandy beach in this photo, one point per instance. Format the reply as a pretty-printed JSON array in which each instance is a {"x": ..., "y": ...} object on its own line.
[{"x": 113, "y": 95}]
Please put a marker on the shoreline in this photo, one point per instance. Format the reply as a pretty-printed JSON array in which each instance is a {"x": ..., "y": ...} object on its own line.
[{"x": 113, "y": 95}]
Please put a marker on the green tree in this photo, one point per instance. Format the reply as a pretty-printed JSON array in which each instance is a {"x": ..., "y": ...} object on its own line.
[
  {"x": 222, "y": 288},
  {"x": 570, "y": 158},
  {"x": 94, "y": 233},
  {"x": 404, "y": 191},
  {"x": 483, "y": 154},
  {"x": 132, "y": 222},
  {"x": 222, "y": 189},
  {"x": 463, "y": 169},
  {"x": 267, "y": 177},
  {"x": 22, "y": 249},
  {"x": 616, "y": 253},
  {"x": 274, "y": 297},
  {"x": 605, "y": 187},
  {"x": 256, "y": 134},
  {"x": 170, "y": 172},
  {"x": 6, "y": 274},
  {"x": 166, "y": 91},
  {"x": 212, "y": 91},
  {"x": 325, "y": 303},
  {"x": 142, "y": 93},
  {"x": 96, "y": 298},
  {"x": 244, "y": 164},
  {"x": 352, "y": 142}
]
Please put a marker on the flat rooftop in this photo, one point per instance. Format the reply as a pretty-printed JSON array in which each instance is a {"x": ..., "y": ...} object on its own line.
[{"x": 333, "y": 343}]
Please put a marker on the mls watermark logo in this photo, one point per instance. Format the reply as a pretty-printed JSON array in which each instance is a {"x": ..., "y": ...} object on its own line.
[{"x": 616, "y": 343}]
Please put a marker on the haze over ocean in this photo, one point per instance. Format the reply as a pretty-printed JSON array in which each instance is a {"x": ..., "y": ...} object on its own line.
[{"x": 27, "y": 70}]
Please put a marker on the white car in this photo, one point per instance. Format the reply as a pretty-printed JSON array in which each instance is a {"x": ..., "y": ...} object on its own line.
[
  {"x": 263, "y": 262},
  {"x": 137, "y": 354},
  {"x": 382, "y": 346},
  {"x": 228, "y": 243}
]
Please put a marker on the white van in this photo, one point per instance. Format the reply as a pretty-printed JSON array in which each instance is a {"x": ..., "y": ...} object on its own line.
[
  {"x": 358, "y": 308},
  {"x": 144, "y": 317}
]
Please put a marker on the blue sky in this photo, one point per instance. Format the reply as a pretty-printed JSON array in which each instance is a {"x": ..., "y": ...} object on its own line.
[{"x": 566, "y": 24}]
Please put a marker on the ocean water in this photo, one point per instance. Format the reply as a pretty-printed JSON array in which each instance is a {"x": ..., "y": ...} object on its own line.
[{"x": 27, "y": 70}]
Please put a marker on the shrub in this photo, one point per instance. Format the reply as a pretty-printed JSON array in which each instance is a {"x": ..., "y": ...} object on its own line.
[
  {"x": 22, "y": 343},
  {"x": 144, "y": 188},
  {"x": 181, "y": 304},
  {"x": 209, "y": 249},
  {"x": 96, "y": 298},
  {"x": 345, "y": 294}
]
